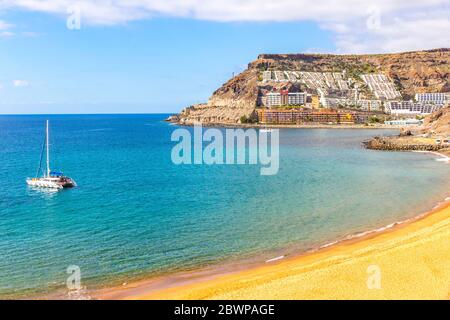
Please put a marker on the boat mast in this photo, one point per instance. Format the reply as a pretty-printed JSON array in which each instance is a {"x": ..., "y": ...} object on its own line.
[{"x": 48, "y": 153}]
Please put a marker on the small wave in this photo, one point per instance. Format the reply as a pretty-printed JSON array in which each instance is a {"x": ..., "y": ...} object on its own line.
[
  {"x": 275, "y": 259},
  {"x": 375, "y": 231},
  {"x": 78, "y": 294},
  {"x": 442, "y": 158},
  {"x": 99, "y": 129},
  {"x": 381, "y": 229},
  {"x": 329, "y": 244}
]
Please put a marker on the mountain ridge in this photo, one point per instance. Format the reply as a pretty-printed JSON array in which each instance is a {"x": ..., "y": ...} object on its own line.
[{"x": 412, "y": 72}]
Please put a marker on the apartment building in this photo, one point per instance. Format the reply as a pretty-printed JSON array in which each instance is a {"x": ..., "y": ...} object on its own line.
[
  {"x": 297, "y": 98},
  {"x": 370, "y": 105},
  {"x": 295, "y": 116},
  {"x": 435, "y": 97},
  {"x": 409, "y": 107},
  {"x": 398, "y": 107},
  {"x": 425, "y": 108},
  {"x": 404, "y": 122},
  {"x": 284, "y": 98}
]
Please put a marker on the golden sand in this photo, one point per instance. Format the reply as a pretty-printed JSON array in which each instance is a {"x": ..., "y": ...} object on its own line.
[{"x": 413, "y": 261}]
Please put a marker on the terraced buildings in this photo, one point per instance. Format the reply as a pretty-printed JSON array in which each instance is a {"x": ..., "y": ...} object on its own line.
[
  {"x": 433, "y": 97},
  {"x": 425, "y": 103},
  {"x": 382, "y": 87},
  {"x": 368, "y": 92},
  {"x": 334, "y": 89}
]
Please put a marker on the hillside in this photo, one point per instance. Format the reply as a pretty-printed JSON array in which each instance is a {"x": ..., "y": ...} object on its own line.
[
  {"x": 437, "y": 123},
  {"x": 411, "y": 72}
]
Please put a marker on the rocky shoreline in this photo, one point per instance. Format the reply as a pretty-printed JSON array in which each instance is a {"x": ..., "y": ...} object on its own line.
[
  {"x": 174, "y": 119},
  {"x": 287, "y": 126},
  {"x": 432, "y": 136},
  {"x": 401, "y": 144}
]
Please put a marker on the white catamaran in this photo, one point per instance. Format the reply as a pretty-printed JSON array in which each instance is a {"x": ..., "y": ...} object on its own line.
[{"x": 50, "y": 179}]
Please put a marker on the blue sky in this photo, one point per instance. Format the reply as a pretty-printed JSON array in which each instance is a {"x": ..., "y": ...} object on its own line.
[
  {"x": 143, "y": 60},
  {"x": 159, "y": 65}
]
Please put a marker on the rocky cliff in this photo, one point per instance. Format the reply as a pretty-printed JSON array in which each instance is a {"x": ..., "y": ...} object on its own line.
[
  {"x": 229, "y": 103},
  {"x": 412, "y": 72},
  {"x": 437, "y": 123}
]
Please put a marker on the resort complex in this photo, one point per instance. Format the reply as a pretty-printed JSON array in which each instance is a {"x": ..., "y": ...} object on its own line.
[
  {"x": 295, "y": 97},
  {"x": 300, "y": 116}
]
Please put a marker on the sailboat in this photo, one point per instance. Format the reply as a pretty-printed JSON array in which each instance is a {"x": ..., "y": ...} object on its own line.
[{"x": 50, "y": 179}]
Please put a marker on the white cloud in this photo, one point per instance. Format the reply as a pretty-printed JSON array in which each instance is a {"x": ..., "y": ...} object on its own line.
[
  {"x": 358, "y": 26},
  {"x": 5, "y": 25},
  {"x": 30, "y": 34},
  {"x": 20, "y": 83},
  {"x": 413, "y": 31},
  {"x": 4, "y": 29},
  {"x": 6, "y": 34}
]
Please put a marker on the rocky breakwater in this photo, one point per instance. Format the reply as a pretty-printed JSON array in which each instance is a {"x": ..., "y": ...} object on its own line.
[{"x": 403, "y": 144}]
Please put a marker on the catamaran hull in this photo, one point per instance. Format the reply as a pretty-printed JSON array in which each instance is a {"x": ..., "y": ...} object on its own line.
[
  {"x": 49, "y": 184},
  {"x": 44, "y": 184}
]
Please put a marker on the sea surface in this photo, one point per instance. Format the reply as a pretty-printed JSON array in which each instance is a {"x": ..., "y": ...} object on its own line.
[{"x": 135, "y": 214}]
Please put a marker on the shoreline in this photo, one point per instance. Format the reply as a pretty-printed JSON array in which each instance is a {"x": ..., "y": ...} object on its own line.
[
  {"x": 227, "y": 284},
  {"x": 289, "y": 126},
  {"x": 444, "y": 154}
]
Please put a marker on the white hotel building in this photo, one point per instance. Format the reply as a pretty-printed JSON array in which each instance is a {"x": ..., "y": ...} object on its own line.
[
  {"x": 274, "y": 99},
  {"x": 370, "y": 105},
  {"x": 411, "y": 108},
  {"x": 297, "y": 98},
  {"x": 436, "y": 97}
]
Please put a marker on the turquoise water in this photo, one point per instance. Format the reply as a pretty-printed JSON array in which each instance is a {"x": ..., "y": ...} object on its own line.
[{"x": 136, "y": 214}]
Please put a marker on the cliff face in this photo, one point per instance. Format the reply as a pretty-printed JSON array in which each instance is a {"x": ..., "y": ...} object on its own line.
[
  {"x": 412, "y": 72},
  {"x": 438, "y": 123},
  {"x": 236, "y": 98}
]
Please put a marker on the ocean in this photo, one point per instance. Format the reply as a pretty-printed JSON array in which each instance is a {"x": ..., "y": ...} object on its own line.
[{"x": 135, "y": 214}]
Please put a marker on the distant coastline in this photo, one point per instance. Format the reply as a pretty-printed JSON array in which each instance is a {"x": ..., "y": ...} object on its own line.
[{"x": 290, "y": 126}]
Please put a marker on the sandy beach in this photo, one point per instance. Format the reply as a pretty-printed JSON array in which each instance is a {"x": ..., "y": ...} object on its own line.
[{"x": 406, "y": 261}]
